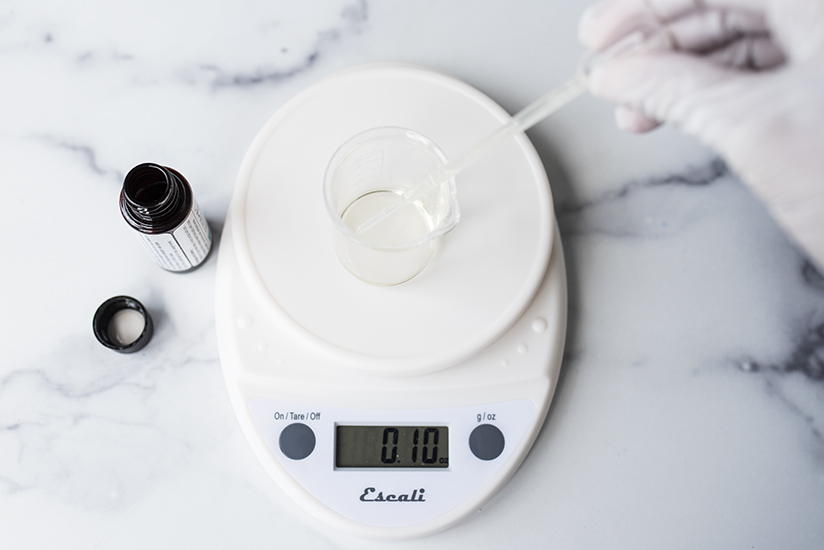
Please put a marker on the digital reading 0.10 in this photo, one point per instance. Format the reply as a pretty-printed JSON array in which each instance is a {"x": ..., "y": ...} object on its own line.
[{"x": 392, "y": 447}]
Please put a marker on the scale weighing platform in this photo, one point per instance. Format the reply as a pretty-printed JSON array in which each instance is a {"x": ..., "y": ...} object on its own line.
[{"x": 390, "y": 412}]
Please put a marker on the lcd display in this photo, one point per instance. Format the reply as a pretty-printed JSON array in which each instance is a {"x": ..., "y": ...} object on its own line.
[{"x": 392, "y": 447}]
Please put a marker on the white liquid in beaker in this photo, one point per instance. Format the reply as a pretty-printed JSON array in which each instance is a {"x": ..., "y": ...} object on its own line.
[
  {"x": 412, "y": 223},
  {"x": 409, "y": 224}
]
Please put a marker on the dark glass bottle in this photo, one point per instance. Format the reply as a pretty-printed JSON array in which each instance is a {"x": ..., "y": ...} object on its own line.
[{"x": 157, "y": 202}]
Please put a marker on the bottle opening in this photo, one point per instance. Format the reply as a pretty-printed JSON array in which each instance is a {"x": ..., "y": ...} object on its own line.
[
  {"x": 147, "y": 185},
  {"x": 155, "y": 199}
]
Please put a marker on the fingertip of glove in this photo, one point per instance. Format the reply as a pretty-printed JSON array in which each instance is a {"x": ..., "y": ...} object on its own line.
[
  {"x": 604, "y": 22},
  {"x": 597, "y": 80},
  {"x": 590, "y": 32}
]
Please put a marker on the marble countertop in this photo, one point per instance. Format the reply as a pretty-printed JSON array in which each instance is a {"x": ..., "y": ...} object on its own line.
[{"x": 690, "y": 410}]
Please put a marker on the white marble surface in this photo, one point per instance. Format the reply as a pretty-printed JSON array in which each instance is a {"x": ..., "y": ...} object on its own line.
[{"x": 690, "y": 412}]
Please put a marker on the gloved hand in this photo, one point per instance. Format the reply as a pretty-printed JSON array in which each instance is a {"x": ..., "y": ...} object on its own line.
[{"x": 744, "y": 76}]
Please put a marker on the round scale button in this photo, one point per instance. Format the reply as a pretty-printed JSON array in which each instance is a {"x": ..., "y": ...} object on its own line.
[
  {"x": 486, "y": 442},
  {"x": 297, "y": 441}
]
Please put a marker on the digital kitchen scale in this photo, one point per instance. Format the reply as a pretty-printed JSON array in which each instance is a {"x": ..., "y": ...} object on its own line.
[{"x": 390, "y": 412}]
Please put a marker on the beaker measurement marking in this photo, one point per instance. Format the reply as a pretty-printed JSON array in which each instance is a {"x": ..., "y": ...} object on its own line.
[{"x": 368, "y": 165}]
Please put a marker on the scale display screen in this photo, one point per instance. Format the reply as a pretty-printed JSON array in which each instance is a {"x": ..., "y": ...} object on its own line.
[{"x": 391, "y": 446}]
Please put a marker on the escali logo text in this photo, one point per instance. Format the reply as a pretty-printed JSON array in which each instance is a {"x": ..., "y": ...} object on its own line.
[{"x": 369, "y": 496}]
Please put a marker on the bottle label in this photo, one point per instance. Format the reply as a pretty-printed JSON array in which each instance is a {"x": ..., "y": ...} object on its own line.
[{"x": 184, "y": 247}]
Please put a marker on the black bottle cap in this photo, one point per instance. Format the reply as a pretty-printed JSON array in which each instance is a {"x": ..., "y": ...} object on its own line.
[{"x": 106, "y": 334}]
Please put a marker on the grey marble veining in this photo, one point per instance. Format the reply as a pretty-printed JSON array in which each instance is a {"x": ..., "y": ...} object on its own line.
[
  {"x": 690, "y": 412},
  {"x": 790, "y": 367},
  {"x": 353, "y": 16}
]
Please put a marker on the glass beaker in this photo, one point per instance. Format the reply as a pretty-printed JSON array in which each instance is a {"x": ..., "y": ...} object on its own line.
[{"x": 371, "y": 171}]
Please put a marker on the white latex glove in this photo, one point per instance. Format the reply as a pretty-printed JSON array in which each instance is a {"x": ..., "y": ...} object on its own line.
[{"x": 744, "y": 76}]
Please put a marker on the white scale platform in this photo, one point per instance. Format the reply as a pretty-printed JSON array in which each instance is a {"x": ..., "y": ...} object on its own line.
[{"x": 475, "y": 340}]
